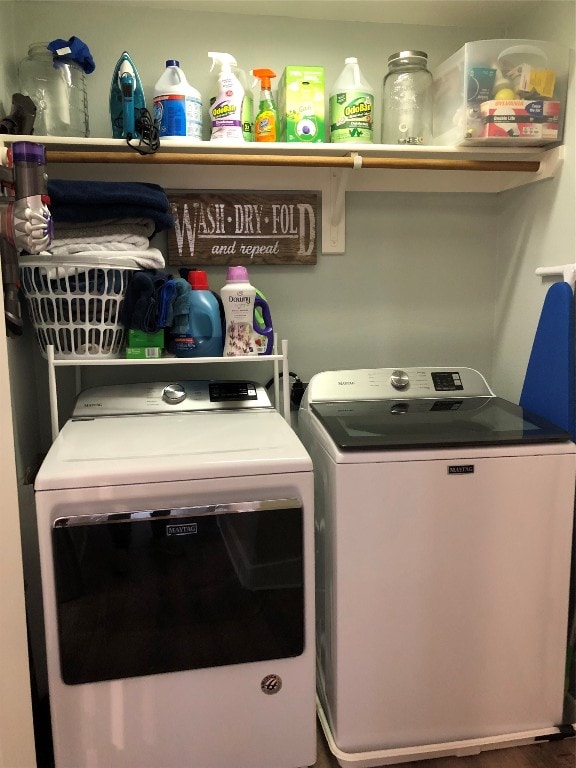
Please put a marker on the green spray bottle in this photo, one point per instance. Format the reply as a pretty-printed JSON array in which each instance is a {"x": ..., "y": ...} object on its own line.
[{"x": 266, "y": 122}]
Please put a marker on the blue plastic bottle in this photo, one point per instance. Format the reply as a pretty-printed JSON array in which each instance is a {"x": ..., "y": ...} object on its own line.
[{"x": 204, "y": 337}]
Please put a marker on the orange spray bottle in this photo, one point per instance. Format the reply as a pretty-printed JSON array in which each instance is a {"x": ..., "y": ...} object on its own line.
[{"x": 266, "y": 122}]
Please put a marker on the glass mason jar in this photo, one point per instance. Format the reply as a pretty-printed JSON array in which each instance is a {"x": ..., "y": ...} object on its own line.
[
  {"x": 407, "y": 101},
  {"x": 57, "y": 86}
]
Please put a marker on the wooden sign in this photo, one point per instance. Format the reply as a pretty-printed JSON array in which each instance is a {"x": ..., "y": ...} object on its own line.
[{"x": 243, "y": 228}]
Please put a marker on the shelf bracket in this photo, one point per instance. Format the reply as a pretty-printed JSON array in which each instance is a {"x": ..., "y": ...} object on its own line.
[{"x": 334, "y": 208}]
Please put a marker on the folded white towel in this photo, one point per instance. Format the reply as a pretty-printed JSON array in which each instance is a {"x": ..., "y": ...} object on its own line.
[
  {"x": 68, "y": 247},
  {"x": 121, "y": 236}
]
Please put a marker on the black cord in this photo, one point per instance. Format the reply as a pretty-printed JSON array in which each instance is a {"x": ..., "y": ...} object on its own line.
[
  {"x": 280, "y": 375},
  {"x": 296, "y": 390},
  {"x": 149, "y": 141}
]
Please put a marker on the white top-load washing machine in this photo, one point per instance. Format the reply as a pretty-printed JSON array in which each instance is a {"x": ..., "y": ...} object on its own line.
[
  {"x": 176, "y": 542},
  {"x": 443, "y": 537}
]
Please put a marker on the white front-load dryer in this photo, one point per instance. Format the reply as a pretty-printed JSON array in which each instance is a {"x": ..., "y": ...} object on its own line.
[
  {"x": 176, "y": 544},
  {"x": 443, "y": 540}
]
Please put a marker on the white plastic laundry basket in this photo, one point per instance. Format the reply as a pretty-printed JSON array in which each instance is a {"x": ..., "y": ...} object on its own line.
[{"x": 75, "y": 305}]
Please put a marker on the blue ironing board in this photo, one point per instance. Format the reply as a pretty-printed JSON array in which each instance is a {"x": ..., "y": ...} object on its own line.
[{"x": 550, "y": 384}]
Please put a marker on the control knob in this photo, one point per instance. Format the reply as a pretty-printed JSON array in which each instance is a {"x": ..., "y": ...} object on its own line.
[
  {"x": 173, "y": 394},
  {"x": 399, "y": 379}
]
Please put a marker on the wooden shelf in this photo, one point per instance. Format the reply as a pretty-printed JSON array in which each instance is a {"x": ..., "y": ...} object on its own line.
[{"x": 485, "y": 157}]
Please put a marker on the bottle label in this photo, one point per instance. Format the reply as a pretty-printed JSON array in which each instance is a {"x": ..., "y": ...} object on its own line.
[
  {"x": 185, "y": 346},
  {"x": 226, "y": 120},
  {"x": 178, "y": 115},
  {"x": 240, "y": 340},
  {"x": 260, "y": 343},
  {"x": 247, "y": 120},
  {"x": 351, "y": 117},
  {"x": 265, "y": 126}
]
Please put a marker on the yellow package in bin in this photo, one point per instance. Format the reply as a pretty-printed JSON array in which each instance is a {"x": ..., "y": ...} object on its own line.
[{"x": 539, "y": 81}]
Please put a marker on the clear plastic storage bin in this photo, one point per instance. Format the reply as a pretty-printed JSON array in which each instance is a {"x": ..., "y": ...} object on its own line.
[{"x": 501, "y": 92}]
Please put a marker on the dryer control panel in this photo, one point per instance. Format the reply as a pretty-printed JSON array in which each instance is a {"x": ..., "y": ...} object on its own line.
[
  {"x": 390, "y": 383},
  {"x": 166, "y": 397}
]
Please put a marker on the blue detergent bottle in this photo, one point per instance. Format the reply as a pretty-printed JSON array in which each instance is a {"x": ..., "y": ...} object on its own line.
[{"x": 204, "y": 336}]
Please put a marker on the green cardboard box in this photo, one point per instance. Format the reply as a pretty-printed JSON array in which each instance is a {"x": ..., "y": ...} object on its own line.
[
  {"x": 300, "y": 102},
  {"x": 143, "y": 339}
]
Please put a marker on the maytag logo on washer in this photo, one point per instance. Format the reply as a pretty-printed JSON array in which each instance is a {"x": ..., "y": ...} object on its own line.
[
  {"x": 271, "y": 684},
  {"x": 181, "y": 530},
  {"x": 461, "y": 469}
]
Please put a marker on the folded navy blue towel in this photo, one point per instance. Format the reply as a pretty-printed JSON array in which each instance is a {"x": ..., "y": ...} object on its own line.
[{"x": 79, "y": 201}]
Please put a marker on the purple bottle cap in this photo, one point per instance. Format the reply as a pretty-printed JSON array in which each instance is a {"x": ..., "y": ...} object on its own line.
[
  {"x": 28, "y": 152},
  {"x": 237, "y": 274}
]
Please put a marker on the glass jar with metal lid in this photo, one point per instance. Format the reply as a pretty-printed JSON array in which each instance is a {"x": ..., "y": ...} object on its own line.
[{"x": 407, "y": 101}]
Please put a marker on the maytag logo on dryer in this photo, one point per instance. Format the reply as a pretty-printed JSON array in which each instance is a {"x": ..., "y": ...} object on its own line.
[
  {"x": 181, "y": 530},
  {"x": 460, "y": 469}
]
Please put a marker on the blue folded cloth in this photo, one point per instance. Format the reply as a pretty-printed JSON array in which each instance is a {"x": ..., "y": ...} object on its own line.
[
  {"x": 74, "y": 49},
  {"x": 141, "y": 301},
  {"x": 165, "y": 303},
  {"x": 178, "y": 318},
  {"x": 82, "y": 201}
]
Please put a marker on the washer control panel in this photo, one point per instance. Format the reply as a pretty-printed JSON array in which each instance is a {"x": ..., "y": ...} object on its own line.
[
  {"x": 392, "y": 383},
  {"x": 442, "y": 381},
  {"x": 166, "y": 397}
]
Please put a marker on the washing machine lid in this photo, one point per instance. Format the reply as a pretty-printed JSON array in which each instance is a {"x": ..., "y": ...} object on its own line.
[
  {"x": 152, "y": 448},
  {"x": 432, "y": 422},
  {"x": 372, "y": 408}
]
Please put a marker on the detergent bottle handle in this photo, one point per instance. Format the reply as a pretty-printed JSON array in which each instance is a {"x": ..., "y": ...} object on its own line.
[{"x": 263, "y": 305}]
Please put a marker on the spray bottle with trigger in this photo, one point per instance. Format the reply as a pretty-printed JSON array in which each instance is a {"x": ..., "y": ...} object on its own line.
[
  {"x": 226, "y": 110},
  {"x": 266, "y": 122}
]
